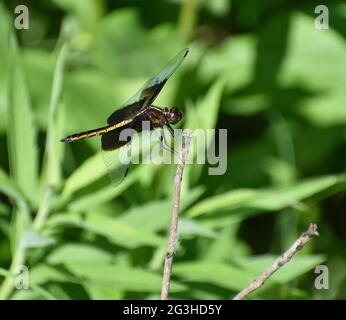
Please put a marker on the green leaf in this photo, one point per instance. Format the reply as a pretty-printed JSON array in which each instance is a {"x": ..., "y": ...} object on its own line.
[
  {"x": 327, "y": 109},
  {"x": 121, "y": 277},
  {"x": 5, "y": 273},
  {"x": 156, "y": 215},
  {"x": 39, "y": 70},
  {"x": 91, "y": 170},
  {"x": 208, "y": 108},
  {"x": 21, "y": 130},
  {"x": 21, "y": 216},
  {"x": 9, "y": 189},
  {"x": 217, "y": 273},
  {"x": 32, "y": 239},
  {"x": 78, "y": 253},
  {"x": 316, "y": 60},
  {"x": 201, "y": 121},
  {"x": 34, "y": 292},
  {"x": 269, "y": 199},
  {"x": 229, "y": 200},
  {"x": 107, "y": 226},
  {"x": 5, "y": 32},
  {"x": 192, "y": 228},
  {"x": 233, "y": 58},
  {"x": 89, "y": 98},
  {"x": 87, "y": 12},
  {"x": 237, "y": 278},
  {"x": 103, "y": 195},
  {"x": 280, "y": 198},
  {"x": 51, "y": 164},
  {"x": 98, "y": 292},
  {"x": 296, "y": 267},
  {"x": 142, "y": 54},
  {"x": 226, "y": 246},
  {"x": 217, "y": 7},
  {"x": 42, "y": 273}
]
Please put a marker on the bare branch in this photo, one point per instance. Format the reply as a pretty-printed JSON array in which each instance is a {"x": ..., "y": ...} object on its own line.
[
  {"x": 175, "y": 213},
  {"x": 279, "y": 262}
]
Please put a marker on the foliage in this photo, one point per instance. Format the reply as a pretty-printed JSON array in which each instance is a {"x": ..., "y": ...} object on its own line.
[{"x": 259, "y": 69}]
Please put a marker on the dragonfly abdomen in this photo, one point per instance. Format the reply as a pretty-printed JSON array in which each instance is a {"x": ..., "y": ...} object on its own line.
[
  {"x": 95, "y": 132},
  {"x": 84, "y": 135}
]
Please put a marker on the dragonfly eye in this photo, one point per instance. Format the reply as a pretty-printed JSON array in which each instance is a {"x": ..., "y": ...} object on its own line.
[{"x": 174, "y": 115}]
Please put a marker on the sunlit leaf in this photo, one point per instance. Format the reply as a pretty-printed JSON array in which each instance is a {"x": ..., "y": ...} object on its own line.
[
  {"x": 316, "y": 60},
  {"x": 122, "y": 278},
  {"x": 271, "y": 199},
  {"x": 290, "y": 271},
  {"x": 21, "y": 130},
  {"x": 115, "y": 231},
  {"x": 157, "y": 214},
  {"x": 220, "y": 274},
  {"x": 91, "y": 170},
  {"x": 53, "y": 147},
  {"x": 5, "y": 32},
  {"x": 32, "y": 239},
  {"x": 119, "y": 55},
  {"x": 8, "y": 187},
  {"x": 78, "y": 253}
]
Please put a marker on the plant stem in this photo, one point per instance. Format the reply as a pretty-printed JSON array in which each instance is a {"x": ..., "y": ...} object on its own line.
[
  {"x": 175, "y": 213},
  {"x": 187, "y": 18},
  {"x": 8, "y": 284},
  {"x": 279, "y": 262},
  {"x": 43, "y": 210}
]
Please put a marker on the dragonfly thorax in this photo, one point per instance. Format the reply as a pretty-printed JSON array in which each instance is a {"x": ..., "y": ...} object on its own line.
[
  {"x": 173, "y": 115},
  {"x": 164, "y": 116}
]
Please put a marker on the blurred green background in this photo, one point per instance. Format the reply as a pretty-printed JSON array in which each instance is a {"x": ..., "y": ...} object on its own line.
[{"x": 258, "y": 68}]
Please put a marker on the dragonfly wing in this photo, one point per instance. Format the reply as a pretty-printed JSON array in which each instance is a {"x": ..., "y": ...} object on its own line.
[
  {"x": 116, "y": 155},
  {"x": 153, "y": 86},
  {"x": 126, "y": 112},
  {"x": 149, "y": 91}
]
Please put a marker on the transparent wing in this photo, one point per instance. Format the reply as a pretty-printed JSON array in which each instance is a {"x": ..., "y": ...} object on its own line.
[
  {"x": 154, "y": 85},
  {"x": 116, "y": 155},
  {"x": 117, "y": 163},
  {"x": 143, "y": 147},
  {"x": 149, "y": 91}
]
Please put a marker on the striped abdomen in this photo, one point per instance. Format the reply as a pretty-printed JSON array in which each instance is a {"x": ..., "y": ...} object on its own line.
[{"x": 94, "y": 132}]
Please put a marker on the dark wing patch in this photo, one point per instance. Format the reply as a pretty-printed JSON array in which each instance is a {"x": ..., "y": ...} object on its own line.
[
  {"x": 111, "y": 140},
  {"x": 147, "y": 97},
  {"x": 149, "y": 94},
  {"x": 126, "y": 112}
]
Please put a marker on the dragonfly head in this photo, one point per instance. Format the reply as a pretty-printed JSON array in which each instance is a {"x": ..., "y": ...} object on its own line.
[{"x": 174, "y": 115}]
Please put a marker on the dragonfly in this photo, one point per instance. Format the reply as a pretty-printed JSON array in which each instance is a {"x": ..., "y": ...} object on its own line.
[{"x": 131, "y": 115}]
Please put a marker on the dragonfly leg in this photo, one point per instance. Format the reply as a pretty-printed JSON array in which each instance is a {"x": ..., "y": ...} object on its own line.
[
  {"x": 161, "y": 142},
  {"x": 164, "y": 141},
  {"x": 170, "y": 129}
]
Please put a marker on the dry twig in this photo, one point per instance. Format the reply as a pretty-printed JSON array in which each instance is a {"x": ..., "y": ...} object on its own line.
[
  {"x": 175, "y": 212},
  {"x": 279, "y": 262}
]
